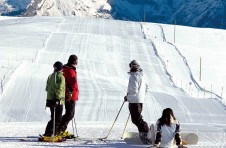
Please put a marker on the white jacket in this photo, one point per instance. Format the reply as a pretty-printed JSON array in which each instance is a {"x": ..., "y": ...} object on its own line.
[
  {"x": 136, "y": 88},
  {"x": 168, "y": 133}
]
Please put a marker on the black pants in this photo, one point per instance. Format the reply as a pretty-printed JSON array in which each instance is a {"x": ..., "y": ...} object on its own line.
[
  {"x": 69, "y": 114},
  {"x": 137, "y": 119},
  {"x": 58, "y": 117}
]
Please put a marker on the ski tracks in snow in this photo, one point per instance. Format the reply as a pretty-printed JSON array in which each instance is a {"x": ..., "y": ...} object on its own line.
[
  {"x": 177, "y": 51},
  {"x": 186, "y": 64},
  {"x": 29, "y": 98},
  {"x": 47, "y": 41}
]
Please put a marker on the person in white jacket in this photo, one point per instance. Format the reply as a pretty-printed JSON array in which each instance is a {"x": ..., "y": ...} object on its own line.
[
  {"x": 135, "y": 96},
  {"x": 168, "y": 130}
]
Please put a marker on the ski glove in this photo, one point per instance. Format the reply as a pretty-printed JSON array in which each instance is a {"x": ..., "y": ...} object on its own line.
[
  {"x": 52, "y": 103},
  {"x": 56, "y": 103},
  {"x": 125, "y": 98}
]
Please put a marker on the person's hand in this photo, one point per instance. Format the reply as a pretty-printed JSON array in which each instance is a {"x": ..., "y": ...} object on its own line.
[
  {"x": 125, "y": 98},
  {"x": 57, "y": 102},
  {"x": 181, "y": 146}
]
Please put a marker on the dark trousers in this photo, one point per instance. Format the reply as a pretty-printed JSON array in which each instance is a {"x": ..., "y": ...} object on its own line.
[
  {"x": 137, "y": 119},
  {"x": 58, "y": 117},
  {"x": 69, "y": 114}
]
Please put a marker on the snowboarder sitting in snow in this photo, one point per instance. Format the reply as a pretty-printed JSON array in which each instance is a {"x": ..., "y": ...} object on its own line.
[
  {"x": 55, "y": 88},
  {"x": 167, "y": 130},
  {"x": 135, "y": 96}
]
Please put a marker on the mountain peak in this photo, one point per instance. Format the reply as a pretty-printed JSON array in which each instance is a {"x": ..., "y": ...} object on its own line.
[{"x": 93, "y": 8}]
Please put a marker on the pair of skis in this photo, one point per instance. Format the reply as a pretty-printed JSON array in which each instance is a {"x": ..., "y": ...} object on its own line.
[
  {"x": 37, "y": 139},
  {"x": 30, "y": 138}
]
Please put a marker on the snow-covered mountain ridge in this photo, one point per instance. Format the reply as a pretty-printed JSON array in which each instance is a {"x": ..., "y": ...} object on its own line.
[
  {"x": 13, "y": 7},
  {"x": 196, "y": 13},
  {"x": 95, "y": 8}
]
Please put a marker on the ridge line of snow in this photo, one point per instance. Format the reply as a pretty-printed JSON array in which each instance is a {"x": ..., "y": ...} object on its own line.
[
  {"x": 186, "y": 111},
  {"x": 29, "y": 99},
  {"x": 186, "y": 63},
  {"x": 41, "y": 5},
  {"x": 184, "y": 59},
  {"x": 11, "y": 79},
  {"x": 162, "y": 33},
  {"x": 37, "y": 57},
  {"x": 191, "y": 75},
  {"x": 160, "y": 58}
]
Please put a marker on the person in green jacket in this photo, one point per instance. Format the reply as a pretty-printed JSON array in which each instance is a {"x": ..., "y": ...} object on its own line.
[{"x": 55, "y": 88}]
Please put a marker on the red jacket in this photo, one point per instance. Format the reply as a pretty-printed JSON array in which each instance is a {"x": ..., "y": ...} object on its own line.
[{"x": 70, "y": 75}]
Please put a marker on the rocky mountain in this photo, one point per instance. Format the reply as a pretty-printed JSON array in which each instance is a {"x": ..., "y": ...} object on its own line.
[
  {"x": 13, "y": 7},
  {"x": 96, "y": 8},
  {"x": 196, "y": 13},
  {"x": 5, "y": 7}
]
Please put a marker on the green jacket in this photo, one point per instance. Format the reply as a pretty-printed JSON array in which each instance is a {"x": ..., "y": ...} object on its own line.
[{"x": 56, "y": 89}]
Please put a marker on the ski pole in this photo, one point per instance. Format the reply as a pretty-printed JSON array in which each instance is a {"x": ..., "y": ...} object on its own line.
[
  {"x": 54, "y": 116},
  {"x": 113, "y": 122},
  {"x": 74, "y": 128},
  {"x": 125, "y": 127}
]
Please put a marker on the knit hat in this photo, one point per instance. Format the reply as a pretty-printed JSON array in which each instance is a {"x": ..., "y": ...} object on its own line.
[
  {"x": 134, "y": 64},
  {"x": 58, "y": 66}
]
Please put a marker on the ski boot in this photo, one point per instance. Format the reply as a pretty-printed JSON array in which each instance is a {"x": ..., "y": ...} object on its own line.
[
  {"x": 66, "y": 135},
  {"x": 51, "y": 139},
  {"x": 144, "y": 138}
]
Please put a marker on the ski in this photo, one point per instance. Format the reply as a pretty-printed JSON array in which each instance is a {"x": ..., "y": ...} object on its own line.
[
  {"x": 29, "y": 138},
  {"x": 36, "y": 139}
]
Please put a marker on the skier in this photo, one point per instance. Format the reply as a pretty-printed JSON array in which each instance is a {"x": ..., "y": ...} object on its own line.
[
  {"x": 71, "y": 95},
  {"x": 55, "y": 88},
  {"x": 135, "y": 96},
  {"x": 168, "y": 130}
]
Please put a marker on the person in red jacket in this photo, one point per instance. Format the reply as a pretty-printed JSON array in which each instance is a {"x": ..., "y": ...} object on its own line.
[{"x": 71, "y": 95}]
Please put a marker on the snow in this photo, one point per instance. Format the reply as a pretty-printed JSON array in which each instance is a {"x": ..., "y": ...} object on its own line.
[
  {"x": 30, "y": 46},
  {"x": 84, "y": 8},
  {"x": 4, "y": 7}
]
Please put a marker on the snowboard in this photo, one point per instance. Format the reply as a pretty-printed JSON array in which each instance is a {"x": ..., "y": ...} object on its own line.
[
  {"x": 189, "y": 138},
  {"x": 133, "y": 138}
]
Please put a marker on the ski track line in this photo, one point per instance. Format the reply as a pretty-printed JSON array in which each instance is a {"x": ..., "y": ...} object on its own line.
[
  {"x": 156, "y": 106},
  {"x": 160, "y": 58},
  {"x": 186, "y": 63},
  {"x": 29, "y": 99},
  {"x": 186, "y": 111},
  {"x": 190, "y": 72},
  {"x": 11, "y": 79},
  {"x": 162, "y": 33},
  {"x": 64, "y": 49},
  {"x": 72, "y": 41},
  {"x": 47, "y": 41},
  {"x": 87, "y": 53},
  {"x": 10, "y": 83}
]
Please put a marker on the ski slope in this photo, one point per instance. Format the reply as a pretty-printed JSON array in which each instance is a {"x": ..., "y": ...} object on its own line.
[{"x": 30, "y": 46}]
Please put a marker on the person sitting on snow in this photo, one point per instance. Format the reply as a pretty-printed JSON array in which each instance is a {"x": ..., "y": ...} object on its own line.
[{"x": 168, "y": 130}]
